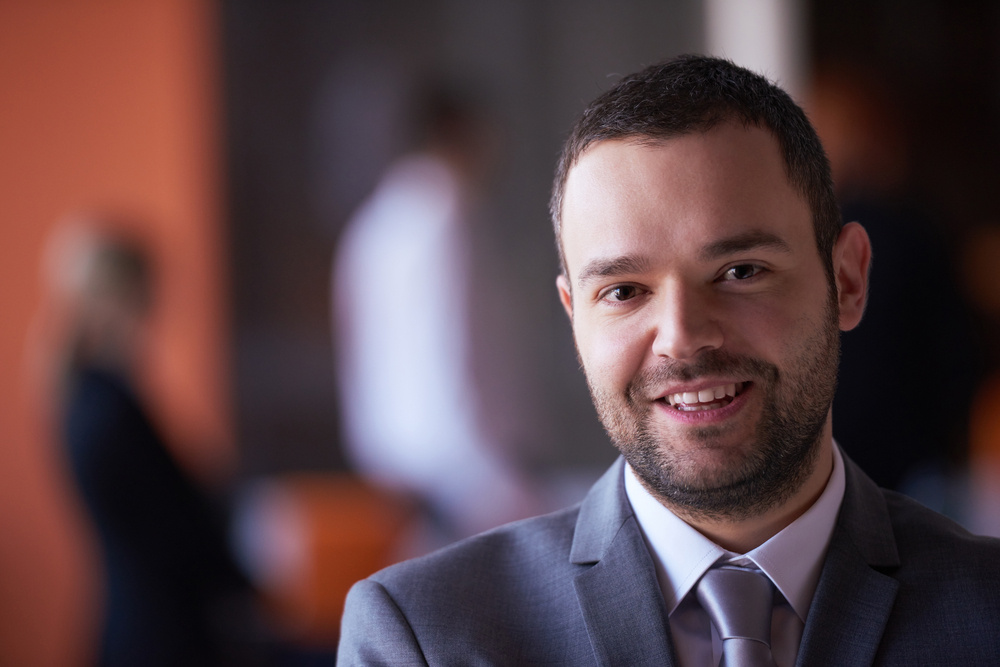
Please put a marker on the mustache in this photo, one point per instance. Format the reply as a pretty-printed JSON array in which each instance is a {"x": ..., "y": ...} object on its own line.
[{"x": 712, "y": 362}]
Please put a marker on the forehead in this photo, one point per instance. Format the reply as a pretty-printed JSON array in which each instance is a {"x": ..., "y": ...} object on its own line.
[{"x": 623, "y": 195}]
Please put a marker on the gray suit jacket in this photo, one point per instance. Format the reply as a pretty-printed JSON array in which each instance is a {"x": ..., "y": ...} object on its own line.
[{"x": 901, "y": 585}]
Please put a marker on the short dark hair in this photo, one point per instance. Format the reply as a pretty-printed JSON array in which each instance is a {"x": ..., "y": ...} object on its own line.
[{"x": 693, "y": 93}]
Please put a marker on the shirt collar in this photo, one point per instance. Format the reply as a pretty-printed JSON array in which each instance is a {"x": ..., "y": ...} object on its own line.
[{"x": 792, "y": 558}]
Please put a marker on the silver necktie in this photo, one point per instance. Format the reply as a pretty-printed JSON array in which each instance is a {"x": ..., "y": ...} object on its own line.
[{"x": 739, "y": 602}]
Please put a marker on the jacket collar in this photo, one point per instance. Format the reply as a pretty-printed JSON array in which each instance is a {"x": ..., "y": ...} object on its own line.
[
  {"x": 625, "y": 614},
  {"x": 604, "y": 511},
  {"x": 619, "y": 596},
  {"x": 855, "y": 595}
]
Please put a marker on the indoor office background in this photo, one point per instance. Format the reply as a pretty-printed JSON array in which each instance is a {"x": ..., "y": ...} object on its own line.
[{"x": 238, "y": 137}]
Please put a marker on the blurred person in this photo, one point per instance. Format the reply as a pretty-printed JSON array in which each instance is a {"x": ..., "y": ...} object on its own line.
[
  {"x": 172, "y": 593},
  {"x": 707, "y": 275},
  {"x": 410, "y": 402},
  {"x": 917, "y": 310}
]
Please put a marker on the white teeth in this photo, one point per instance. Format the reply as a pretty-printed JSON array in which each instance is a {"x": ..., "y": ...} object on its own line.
[
  {"x": 694, "y": 408},
  {"x": 690, "y": 398}
]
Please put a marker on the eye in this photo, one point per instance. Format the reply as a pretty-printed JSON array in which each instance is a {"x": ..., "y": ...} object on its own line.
[
  {"x": 742, "y": 272},
  {"x": 620, "y": 293}
]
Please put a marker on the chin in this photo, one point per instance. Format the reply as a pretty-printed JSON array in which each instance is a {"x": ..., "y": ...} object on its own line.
[
  {"x": 716, "y": 481},
  {"x": 705, "y": 467}
]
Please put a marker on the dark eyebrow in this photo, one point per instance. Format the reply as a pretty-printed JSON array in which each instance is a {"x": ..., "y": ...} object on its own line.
[
  {"x": 751, "y": 240},
  {"x": 616, "y": 266}
]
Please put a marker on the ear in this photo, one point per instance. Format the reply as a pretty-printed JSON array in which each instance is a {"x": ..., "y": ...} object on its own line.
[
  {"x": 851, "y": 261},
  {"x": 565, "y": 296}
]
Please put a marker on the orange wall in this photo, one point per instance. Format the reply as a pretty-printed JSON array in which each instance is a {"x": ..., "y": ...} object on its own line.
[{"x": 103, "y": 104}]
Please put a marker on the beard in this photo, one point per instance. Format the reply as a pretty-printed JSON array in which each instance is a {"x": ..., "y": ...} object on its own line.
[{"x": 755, "y": 477}]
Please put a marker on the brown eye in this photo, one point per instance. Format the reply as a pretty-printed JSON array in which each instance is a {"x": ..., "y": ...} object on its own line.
[
  {"x": 623, "y": 293},
  {"x": 742, "y": 272}
]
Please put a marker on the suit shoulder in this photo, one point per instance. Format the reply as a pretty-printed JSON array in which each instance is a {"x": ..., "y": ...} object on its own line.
[
  {"x": 930, "y": 542},
  {"x": 520, "y": 566},
  {"x": 946, "y": 606},
  {"x": 536, "y": 542},
  {"x": 914, "y": 523},
  {"x": 497, "y": 598}
]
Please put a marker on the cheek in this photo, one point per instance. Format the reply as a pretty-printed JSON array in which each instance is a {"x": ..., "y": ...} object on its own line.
[
  {"x": 766, "y": 321},
  {"x": 762, "y": 329},
  {"x": 777, "y": 333},
  {"x": 612, "y": 355}
]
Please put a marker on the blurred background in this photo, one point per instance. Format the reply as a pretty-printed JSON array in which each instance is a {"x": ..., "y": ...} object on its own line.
[{"x": 236, "y": 142}]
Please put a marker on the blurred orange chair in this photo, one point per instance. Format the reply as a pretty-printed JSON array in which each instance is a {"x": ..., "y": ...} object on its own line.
[
  {"x": 310, "y": 537},
  {"x": 984, "y": 460}
]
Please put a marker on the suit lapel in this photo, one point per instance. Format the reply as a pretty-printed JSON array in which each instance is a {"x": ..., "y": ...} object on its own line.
[
  {"x": 853, "y": 599},
  {"x": 619, "y": 595},
  {"x": 625, "y": 615},
  {"x": 849, "y": 610}
]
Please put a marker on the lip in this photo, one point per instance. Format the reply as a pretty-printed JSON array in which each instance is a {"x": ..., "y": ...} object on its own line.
[{"x": 704, "y": 416}]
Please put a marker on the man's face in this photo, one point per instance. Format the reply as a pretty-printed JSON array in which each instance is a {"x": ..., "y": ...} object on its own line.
[{"x": 703, "y": 316}]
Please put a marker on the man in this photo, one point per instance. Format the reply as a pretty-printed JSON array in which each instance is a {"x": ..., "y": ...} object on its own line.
[
  {"x": 409, "y": 244},
  {"x": 707, "y": 276}
]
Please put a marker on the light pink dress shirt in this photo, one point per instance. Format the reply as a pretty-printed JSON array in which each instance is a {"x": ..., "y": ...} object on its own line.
[{"x": 792, "y": 559}]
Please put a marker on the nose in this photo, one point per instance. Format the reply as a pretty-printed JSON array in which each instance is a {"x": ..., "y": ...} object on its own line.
[{"x": 686, "y": 324}]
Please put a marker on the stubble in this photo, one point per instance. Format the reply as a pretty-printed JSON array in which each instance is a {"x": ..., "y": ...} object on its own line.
[{"x": 757, "y": 476}]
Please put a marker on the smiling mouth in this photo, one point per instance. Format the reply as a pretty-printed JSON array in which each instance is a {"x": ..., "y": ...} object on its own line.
[{"x": 711, "y": 398}]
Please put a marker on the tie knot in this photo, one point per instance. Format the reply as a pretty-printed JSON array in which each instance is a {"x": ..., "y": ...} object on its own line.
[{"x": 739, "y": 601}]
